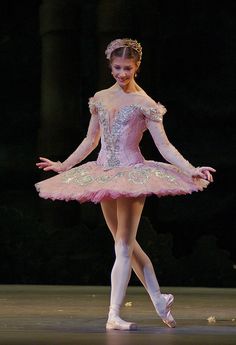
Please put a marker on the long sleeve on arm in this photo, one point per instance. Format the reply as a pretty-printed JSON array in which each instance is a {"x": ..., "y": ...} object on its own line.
[
  {"x": 89, "y": 143},
  {"x": 154, "y": 124}
]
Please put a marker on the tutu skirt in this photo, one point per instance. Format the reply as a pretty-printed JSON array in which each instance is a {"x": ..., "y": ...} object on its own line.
[{"x": 91, "y": 182}]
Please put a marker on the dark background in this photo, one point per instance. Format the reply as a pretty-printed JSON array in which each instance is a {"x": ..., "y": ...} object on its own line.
[{"x": 52, "y": 60}]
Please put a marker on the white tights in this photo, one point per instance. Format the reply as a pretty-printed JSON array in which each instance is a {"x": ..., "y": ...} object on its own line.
[
  {"x": 121, "y": 272},
  {"x": 144, "y": 270},
  {"x": 120, "y": 277},
  {"x": 122, "y": 217}
]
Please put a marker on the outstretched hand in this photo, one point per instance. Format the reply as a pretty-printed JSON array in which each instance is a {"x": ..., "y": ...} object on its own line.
[
  {"x": 204, "y": 172},
  {"x": 47, "y": 165}
]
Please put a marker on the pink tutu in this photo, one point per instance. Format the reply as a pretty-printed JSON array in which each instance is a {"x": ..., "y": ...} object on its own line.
[
  {"x": 121, "y": 170},
  {"x": 90, "y": 182}
]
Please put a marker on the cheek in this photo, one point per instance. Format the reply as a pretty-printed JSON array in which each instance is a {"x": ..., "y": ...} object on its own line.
[
  {"x": 131, "y": 74},
  {"x": 115, "y": 72}
]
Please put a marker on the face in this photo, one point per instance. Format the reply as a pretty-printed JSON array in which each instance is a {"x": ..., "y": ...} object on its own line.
[{"x": 123, "y": 70}]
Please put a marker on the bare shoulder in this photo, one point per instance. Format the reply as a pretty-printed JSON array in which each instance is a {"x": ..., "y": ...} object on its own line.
[
  {"x": 145, "y": 99},
  {"x": 101, "y": 93}
]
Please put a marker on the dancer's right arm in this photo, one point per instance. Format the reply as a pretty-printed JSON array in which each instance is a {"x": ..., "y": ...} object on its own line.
[{"x": 89, "y": 143}]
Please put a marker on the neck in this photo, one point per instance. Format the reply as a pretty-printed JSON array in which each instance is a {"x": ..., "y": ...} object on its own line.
[{"x": 131, "y": 87}]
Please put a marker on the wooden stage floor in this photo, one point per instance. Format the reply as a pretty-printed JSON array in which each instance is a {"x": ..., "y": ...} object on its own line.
[{"x": 76, "y": 315}]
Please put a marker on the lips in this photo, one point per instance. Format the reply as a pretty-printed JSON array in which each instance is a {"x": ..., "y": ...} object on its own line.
[{"x": 122, "y": 80}]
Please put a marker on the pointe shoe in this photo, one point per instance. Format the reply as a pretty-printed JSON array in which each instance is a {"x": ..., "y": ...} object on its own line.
[
  {"x": 163, "y": 309},
  {"x": 118, "y": 324}
]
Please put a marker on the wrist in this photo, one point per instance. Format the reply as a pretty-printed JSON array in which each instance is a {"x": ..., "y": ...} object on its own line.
[
  {"x": 61, "y": 167},
  {"x": 190, "y": 170},
  {"x": 194, "y": 171}
]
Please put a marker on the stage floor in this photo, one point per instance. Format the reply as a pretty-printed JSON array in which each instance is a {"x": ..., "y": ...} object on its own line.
[{"x": 76, "y": 315}]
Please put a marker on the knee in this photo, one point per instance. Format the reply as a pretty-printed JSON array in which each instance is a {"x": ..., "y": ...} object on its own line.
[{"x": 122, "y": 249}]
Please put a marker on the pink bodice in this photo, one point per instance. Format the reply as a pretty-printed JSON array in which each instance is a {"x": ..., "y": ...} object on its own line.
[{"x": 122, "y": 128}]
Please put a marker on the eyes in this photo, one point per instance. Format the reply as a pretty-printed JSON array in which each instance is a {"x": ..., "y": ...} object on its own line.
[{"x": 126, "y": 68}]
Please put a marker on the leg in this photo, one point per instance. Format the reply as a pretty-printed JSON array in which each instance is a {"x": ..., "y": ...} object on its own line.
[
  {"x": 143, "y": 268},
  {"x": 139, "y": 257},
  {"x": 128, "y": 212}
]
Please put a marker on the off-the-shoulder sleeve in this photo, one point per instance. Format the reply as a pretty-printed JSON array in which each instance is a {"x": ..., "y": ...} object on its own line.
[
  {"x": 154, "y": 111},
  {"x": 92, "y": 106}
]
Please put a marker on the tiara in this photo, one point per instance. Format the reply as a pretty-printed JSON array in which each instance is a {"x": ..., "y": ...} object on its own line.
[{"x": 123, "y": 42}]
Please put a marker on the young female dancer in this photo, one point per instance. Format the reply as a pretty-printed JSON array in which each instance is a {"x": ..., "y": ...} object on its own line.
[{"x": 121, "y": 178}]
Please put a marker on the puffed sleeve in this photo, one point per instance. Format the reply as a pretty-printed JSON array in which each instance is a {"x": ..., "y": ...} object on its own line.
[
  {"x": 92, "y": 103},
  {"x": 153, "y": 111}
]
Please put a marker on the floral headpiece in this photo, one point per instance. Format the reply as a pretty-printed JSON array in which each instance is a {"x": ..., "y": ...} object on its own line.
[{"x": 123, "y": 42}]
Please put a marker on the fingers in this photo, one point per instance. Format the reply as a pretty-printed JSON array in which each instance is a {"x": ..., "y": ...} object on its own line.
[
  {"x": 204, "y": 173},
  {"x": 208, "y": 176},
  {"x": 42, "y": 165},
  {"x": 45, "y": 164},
  {"x": 48, "y": 168},
  {"x": 46, "y": 160},
  {"x": 208, "y": 168}
]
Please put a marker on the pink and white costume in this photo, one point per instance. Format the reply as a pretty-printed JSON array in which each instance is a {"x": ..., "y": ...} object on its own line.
[{"x": 120, "y": 119}]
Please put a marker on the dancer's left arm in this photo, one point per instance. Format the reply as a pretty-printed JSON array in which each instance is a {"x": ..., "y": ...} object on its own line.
[{"x": 171, "y": 154}]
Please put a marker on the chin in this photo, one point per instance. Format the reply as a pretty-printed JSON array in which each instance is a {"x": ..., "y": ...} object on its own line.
[{"x": 123, "y": 83}]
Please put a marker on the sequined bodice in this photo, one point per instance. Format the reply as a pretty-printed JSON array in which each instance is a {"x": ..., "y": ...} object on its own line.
[
  {"x": 122, "y": 129},
  {"x": 120, "y": 136}
]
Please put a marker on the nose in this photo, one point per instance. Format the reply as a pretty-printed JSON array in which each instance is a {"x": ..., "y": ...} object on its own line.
[{"x": 122, "y": 74}]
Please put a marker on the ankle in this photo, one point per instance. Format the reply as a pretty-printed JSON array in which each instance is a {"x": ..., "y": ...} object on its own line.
[{"x": 114, "y": 311}]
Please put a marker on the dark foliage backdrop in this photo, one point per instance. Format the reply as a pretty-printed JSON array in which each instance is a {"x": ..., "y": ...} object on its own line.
[{"x": 52, "y": 60}]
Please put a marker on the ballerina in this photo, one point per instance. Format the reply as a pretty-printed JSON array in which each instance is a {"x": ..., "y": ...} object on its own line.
[{"x": 121, "y": 179}]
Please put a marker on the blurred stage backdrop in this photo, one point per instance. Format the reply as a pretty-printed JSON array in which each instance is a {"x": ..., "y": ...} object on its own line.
[{"x": 52, "y": 60}]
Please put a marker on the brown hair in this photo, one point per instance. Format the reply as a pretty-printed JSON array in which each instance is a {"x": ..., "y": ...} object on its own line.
[{"x": 127, "y": 53}]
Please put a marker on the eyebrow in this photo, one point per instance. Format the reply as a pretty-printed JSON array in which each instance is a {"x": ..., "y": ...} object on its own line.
[{"x": 117, "y": 65}]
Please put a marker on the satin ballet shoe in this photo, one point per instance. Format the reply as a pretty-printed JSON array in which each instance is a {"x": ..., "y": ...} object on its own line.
[
  {"x": 117, "y": 323},
  {"x": 163, "y": 310}
]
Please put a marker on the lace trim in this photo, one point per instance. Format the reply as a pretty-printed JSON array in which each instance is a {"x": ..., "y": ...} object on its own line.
[
  {"x": 138, "y": 175},
  {"x": 152, "y": 113},
  {"x": 92, "y": 106}
]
